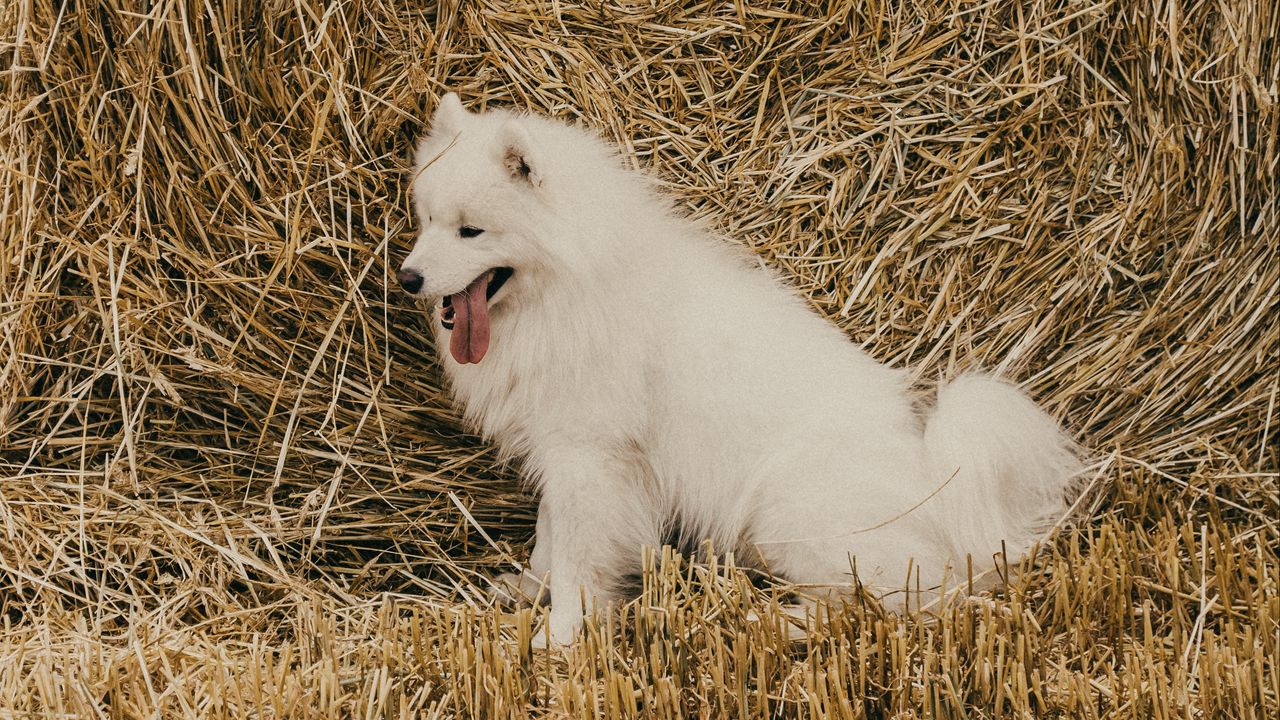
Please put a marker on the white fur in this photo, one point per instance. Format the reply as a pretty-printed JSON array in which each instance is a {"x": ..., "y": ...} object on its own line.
[{"x": 648, "y": 373}]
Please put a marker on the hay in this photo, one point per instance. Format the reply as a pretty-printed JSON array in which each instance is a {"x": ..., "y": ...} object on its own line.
[{"x": 232, "y": 486}]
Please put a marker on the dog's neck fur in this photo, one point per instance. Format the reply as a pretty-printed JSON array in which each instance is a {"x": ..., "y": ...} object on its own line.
[{"x": 553, "y": 345}]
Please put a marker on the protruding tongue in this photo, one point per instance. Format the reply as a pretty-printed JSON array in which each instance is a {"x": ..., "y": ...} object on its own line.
[{"x": 470, "y": 339}]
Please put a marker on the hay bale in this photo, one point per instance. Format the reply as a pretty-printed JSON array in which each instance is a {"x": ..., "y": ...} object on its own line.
[{"x": 232, "y": 483}]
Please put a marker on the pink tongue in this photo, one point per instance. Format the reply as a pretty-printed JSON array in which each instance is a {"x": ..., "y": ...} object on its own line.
[{"x": 470, "y": 339}]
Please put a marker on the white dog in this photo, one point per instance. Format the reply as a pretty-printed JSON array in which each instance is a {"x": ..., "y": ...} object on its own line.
[{"x": 651, "y": 376}]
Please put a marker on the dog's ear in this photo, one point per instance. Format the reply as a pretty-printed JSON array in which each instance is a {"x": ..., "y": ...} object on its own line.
[
  {"x": 519, "y": 155},
  {"x": 449, "y": 114}
]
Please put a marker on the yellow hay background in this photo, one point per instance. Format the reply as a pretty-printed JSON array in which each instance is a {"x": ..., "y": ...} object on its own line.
[{"x": 232, "y": 486}]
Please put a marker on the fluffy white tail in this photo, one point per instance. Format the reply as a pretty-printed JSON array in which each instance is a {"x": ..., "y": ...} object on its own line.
[{"x": 1008, "y": 468}]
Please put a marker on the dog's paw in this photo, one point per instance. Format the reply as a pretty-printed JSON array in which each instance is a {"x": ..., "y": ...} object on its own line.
[
  {"x": 796, "y": 620},
  {"x": 519, "y": 590},
  {"x": 504, "y": 590},
  {"x": 558, "y": 633}
]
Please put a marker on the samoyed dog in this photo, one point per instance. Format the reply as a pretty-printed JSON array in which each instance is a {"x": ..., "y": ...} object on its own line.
[{"x": 654, "y": 380}]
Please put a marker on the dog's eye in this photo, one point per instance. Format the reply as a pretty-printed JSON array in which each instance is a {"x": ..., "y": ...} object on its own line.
[{"x": 468, "y": 231}]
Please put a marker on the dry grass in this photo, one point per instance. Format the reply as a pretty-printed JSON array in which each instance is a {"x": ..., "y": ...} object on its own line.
[{"x": 232, "y": 486}]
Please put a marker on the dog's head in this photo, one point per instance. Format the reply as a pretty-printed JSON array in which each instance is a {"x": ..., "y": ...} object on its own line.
[{"x": 478, "y": 193}]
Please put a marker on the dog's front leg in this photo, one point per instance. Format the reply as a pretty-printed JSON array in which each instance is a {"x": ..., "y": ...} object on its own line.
[
  {"x": 532, "y": 584},
  {"x": 597, "y": 517}
]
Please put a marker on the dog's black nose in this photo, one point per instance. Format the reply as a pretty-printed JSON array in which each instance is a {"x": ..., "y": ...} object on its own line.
[{"x": 410, "y": 280}]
